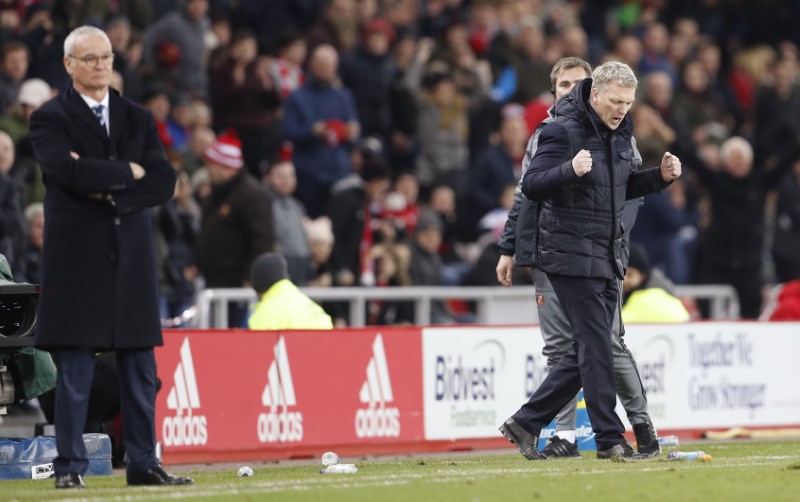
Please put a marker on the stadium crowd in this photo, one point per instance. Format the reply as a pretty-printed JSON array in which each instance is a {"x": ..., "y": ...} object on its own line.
[{"x": 378, "y": 143}]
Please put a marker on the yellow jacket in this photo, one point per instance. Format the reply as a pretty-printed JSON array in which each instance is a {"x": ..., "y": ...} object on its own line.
[
  {"x": 284, "y": 306},
  {"x": 653, "y": 305}
]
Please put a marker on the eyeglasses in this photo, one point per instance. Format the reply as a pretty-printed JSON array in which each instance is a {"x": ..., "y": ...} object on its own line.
[{"x": 106, "y": 59}]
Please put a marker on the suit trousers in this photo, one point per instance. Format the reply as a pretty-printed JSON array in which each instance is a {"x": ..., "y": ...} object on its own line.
[
  {"x": 557, "y": 336},
  {"x": 137, "y": 370},
  {"x": 590, "y": 305}
]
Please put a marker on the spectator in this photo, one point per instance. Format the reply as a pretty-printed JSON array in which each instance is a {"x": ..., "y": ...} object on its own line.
[
  {"x": 786, "y": 237},
  {"x": 643, "y": 300},
  {"x": 533, "y": 72},
  {"x": 655, "y": 46},
  {"x": 391, "y": 263},
  {"x": 69, "y": 15},
  {"x": 180, "y": 121},
  {"x": 244, "y": 98},
  {"x": 426, "y": 264},
  {"x": 368, "y": 72},
  {"x": 118, "y": 29},
  {"x": 402, "y": 145},
  {"x": 666, "y": 224},
  {"x": 34, "y": 217},
  {"x": 320, "y": 119},
  {"x": 321, "y": 239},
  {"x": 201, "y": 113},
  {"x": 288, "y": 216},
  {"x": 472, "y": 78},
  {"x": 33, "y": 93},
  {"x": 44, "y": 40},
  {"x": 176, "y": 42},
  {"x": 658, "y": 94},
  {"x": 338, "y": 27},
  {"x": 498, "y": 166},
  {"x": 200, "y": 139},
  {"x": 777, "y": 106},
  {"x": 14, "y": 60},
  {"x": 402, "y": 205},
  {"x": 702, "y": 110},
  {"x": 218, "y": 38},
  {"x": 354, "y": 213},
  {"x": 156, "y": 100},
  {"x": 236, "y": 223},
  {"x": 12, "y": 219},
  {"x": 442, "y": 126},
  {"x": 177, "y": 224},
  {"x": 281, "y": 305},
  {"x": 731, "y": 248},
  {"x": 271, "y": 20},
  {"x": 628, "y": 50},
  {"x": 286, "y": 70},
  {"x": 443, "y": 202}
]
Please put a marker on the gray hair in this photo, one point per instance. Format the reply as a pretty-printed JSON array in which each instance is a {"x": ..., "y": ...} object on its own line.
[
  {"x": 736, "y": 143},
  {"x": 79, "y": 32},
  {"x": 613, "y": 72},
  {"x": 34, "y": 210}
]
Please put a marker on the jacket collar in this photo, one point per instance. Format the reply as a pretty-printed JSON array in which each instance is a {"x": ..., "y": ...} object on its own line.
[{"x": 81, "y": 110}]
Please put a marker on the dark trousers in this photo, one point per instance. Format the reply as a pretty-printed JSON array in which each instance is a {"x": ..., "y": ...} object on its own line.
[
  {"x": 137, "y": 371},
  {"x": 590, "y": 306}
]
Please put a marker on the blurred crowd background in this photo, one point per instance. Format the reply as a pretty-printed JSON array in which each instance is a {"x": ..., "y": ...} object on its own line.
[{"x": 378, "y": 143}]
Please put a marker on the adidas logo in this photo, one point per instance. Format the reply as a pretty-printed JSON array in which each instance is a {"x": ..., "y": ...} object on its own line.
[
  {"x": 279, "y": 424},
  {"x": 184, "y": 428},
  {"x": 377, "y": 420}
]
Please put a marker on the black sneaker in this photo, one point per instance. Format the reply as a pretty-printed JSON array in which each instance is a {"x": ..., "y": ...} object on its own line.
[
  {"x": 525, "y": 442},
  {"x": 560, "y": 448},
  {"x": 646, "y": 439},
  {"x": 622, "y": 451}
]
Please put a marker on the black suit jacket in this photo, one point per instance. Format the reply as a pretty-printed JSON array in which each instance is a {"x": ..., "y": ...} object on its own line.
[{"x": 99, "y": 272}]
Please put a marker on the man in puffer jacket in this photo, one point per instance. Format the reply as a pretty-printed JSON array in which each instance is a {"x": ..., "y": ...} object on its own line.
[{"x": 582, "y": 173}]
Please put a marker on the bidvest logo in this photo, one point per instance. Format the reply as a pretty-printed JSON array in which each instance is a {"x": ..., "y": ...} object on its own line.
[
  {"x": 279, "y": 424},
  {"x": 184, "y": 428},
  {"x": 377, "y": 420}
]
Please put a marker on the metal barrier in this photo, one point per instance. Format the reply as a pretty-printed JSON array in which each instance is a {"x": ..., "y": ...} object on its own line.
[{"x": 494, "y": 304}]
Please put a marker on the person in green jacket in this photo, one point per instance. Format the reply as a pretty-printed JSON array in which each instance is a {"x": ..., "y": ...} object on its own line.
[
  {"x": 281, "y": 304},
  {"x": 647, "y": 301}
]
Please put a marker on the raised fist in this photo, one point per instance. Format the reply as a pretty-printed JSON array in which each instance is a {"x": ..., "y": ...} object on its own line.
[
  {"x": 670, "y": 167},
  {"x": 582, "y": 163}
]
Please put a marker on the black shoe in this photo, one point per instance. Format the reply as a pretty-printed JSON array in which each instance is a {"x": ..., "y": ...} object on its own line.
[
  {"x": 560, "y": 448},
  {"x": 622, "y": 450},
  {"x": 69, "y": 480},
  {"x": 525, "y": 442},
  {"x": 646, "y": 439},
  {"x": 156, "y": 476}
]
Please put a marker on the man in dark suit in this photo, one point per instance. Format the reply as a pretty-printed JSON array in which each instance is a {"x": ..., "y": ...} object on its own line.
[
  {"x": 104, "y": 167},
  {"x": 581, "y": 174}
]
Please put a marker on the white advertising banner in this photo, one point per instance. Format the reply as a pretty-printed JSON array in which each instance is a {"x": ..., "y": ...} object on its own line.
[
  {"x": 697, "y": 375},
  {"x": 711, "y": 375},
  {"x": 475, "y": 378}
]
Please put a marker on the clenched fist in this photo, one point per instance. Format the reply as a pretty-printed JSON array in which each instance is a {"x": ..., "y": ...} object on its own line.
[
  {"x": 582, "y": 163},
  {"x": 670, "y": 167}
]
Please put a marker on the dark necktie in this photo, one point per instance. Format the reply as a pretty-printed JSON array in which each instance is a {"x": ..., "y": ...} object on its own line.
[{"x": 98, "y": 112}]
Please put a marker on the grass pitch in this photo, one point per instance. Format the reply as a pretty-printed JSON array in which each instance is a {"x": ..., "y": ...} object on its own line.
[{"x": 747, "y": 471}]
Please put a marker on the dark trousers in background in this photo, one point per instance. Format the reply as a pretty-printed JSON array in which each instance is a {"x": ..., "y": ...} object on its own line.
[
  {"x": 137, "y": 370},
  {"x": 590, "y": 305}
]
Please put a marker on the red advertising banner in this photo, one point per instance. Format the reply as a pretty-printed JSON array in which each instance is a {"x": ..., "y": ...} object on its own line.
[{"x": 299, "y": 391}]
